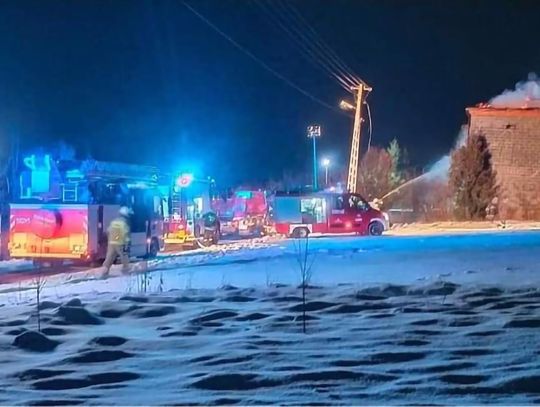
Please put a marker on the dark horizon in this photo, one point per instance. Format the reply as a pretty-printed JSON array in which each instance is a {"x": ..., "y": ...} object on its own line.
[{"x": 148, "y": 82}]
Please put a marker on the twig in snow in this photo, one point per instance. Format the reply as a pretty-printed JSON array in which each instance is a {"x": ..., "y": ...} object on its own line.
[
  {"x": 301, "y": 247},
  {"x": 39, "y": 283}
]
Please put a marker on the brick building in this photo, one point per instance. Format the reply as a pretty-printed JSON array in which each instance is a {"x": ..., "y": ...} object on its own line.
[{"x": 514, "y": 139}]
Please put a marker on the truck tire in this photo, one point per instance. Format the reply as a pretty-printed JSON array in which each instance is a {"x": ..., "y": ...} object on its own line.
[
  {"x": 375, "y": 228},
  {"x": 257, "y": 231},
  {"x": 153, "y": 250},
  {"x": 215, "y": 237},
  {"x": 197, "y": 231},
  {"x": 300, "y": 232}
]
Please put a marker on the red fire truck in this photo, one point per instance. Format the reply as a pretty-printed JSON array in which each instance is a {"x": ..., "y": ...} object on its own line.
[
  {"x": 245, "y": 213},
  {"x": 190, "y": 220},
  {"x": 301, "y": 214},
  {"x": 65, "y": 207}
]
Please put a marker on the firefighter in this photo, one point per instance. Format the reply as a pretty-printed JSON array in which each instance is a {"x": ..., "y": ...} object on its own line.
[{"x": 118, "y": 241}]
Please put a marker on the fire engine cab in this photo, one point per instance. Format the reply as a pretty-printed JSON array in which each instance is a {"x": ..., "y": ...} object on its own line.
[
  {"x": 65, "y": 207},
  {"x": 301, "y": 214}
]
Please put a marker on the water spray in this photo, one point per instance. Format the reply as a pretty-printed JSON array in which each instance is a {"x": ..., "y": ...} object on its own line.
[{"x": 411, "y": 181}]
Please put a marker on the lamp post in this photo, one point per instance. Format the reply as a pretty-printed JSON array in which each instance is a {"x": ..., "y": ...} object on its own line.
[
  {"x": 314, "y": 132},
  {"x": 326, "y": 165}
]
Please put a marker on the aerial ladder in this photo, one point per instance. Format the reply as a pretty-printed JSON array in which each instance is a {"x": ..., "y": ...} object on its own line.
[{"x": 361, "y": 91}]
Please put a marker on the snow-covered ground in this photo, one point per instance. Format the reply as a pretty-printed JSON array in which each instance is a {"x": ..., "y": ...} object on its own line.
[
  {"x": 391, "y": 320},
  {"x": 508, "y": 258},
  {"x": 15, "y": 264},
  {"x": 450, "y": 227}
]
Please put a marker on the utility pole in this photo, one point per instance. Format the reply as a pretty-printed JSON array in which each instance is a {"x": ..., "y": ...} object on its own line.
[
  {"x": 361, "y": 92},
  {"x": 314, "y": 132}
]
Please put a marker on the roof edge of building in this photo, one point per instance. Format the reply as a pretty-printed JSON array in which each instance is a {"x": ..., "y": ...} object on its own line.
[{"x": 502, "y": 111}]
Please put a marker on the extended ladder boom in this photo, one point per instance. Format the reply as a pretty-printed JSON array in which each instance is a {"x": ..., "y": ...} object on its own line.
[{"x": 352, "y": 180}]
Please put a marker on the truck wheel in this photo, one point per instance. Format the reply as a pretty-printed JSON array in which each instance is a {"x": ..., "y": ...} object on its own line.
[
  {"x": 375, "y": 229},
  {"x": 300, "y": 232},
  {"x": 153, "y": 250},
  {"x": 215, "y": 237},
  {"x": 257, "y": 231}
]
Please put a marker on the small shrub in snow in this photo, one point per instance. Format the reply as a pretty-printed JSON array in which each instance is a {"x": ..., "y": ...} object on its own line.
[
  {"x": 39, "y": 283},
  {"x": 144, "y": 279},
  {"x": 305, "y": 264}
]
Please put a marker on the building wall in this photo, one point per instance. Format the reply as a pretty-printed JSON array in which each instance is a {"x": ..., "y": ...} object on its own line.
[{"x": 514, "y": 139}]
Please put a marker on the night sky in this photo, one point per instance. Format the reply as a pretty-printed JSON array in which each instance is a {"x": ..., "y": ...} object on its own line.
[{"x": 148, "y": 82}]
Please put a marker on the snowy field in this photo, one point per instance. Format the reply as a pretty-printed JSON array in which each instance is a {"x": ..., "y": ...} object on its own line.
[
  {"x": 423, "y": 228},
  {"x": 393, "y": 320},
  {"x": 11, "y": 265}
]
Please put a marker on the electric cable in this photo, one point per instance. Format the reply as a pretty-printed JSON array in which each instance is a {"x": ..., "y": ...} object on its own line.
[{"x": 258, "y": 60}]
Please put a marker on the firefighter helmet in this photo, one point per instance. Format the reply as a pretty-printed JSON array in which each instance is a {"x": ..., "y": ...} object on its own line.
[{"x": 125, "y": 211}]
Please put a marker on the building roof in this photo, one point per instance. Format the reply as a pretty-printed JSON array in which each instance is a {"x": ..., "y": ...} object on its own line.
[{"x": 487, "y": 110}]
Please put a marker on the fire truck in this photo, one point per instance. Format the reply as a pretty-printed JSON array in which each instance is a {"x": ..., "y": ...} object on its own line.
[
  {"x": 245, "y": 213},
  {"x": 190, "y": 220},
  {"x": 65, "y": 207},
  {"x": 302, "y": 214}
]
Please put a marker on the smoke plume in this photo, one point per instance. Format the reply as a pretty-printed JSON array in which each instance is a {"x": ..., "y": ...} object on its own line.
[
  {"x": 526, "y": 94},
  {"x": 439, "y": 170}
]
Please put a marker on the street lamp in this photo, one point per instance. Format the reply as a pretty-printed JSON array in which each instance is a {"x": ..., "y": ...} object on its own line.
[
  {"x": 344, "y": 105},
  {"x": 314, "y": 132},
  {"x": 326, "y": 165}
]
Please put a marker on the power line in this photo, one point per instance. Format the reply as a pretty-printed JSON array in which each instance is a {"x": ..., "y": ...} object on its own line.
[
  {"x": 323, "y": 45},
  {"x": 307, "y": 49},
  {"x": 368, "y": 108},
  {"x": 259, "y": 61},
  {"x": 306, "y": 32}
]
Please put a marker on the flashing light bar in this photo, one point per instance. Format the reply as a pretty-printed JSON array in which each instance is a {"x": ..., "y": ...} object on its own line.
[{"x": 184, "y": 180}]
